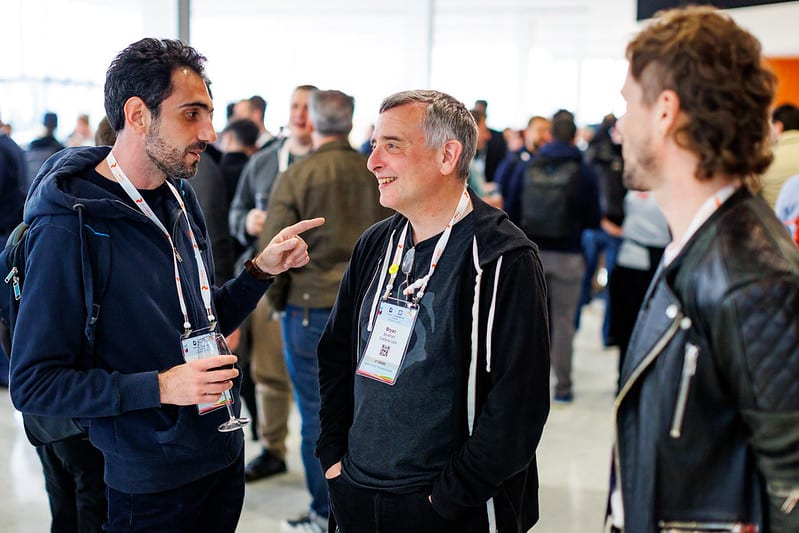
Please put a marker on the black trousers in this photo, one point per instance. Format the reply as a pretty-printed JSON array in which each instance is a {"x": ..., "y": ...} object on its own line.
[
  {"x": 359, "y": 510},
  {"x": 73, "y": 477}
]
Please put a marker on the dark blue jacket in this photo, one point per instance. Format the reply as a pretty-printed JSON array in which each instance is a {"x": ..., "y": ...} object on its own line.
[
  {"x": 587, "y": 197},
  {"x": 13, "y": 181},
  {"x": 148, "y": 447}
]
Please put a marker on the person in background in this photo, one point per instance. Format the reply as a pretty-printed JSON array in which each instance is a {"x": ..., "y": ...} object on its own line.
[
  {"x": 604, "y": 156},
  {"x": 787, "y": 207},
  {"x": 261, "y": 335},
  {"x": 104, "y": 135},
  {"x": 509, "y": 174},
  {"x": 41, "y": 148},
  {"x": 644, "y": 235},
  {"x": 332, "y": 180},
  {"x": 785, "y": 132},
  {"x": 495, "y": 148},
  {"x": 82, "y": 135},
  {"x": 254, "y": 109},
  {"x": 239, "y": 143},
  {"x": 707, "y": 418}
]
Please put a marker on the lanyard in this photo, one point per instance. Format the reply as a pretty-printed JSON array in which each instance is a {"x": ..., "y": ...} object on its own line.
[
  {"x": 205, "y": 288},
  {"x": 421, "y": 283}
]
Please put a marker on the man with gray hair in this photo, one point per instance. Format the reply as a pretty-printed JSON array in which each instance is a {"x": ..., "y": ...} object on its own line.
[
  {"x": 333, "y": 180},
  {"x": 432, "y": 408}
]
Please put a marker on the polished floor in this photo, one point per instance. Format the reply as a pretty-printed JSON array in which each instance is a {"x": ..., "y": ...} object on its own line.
[{"x": 573, "y": 458}]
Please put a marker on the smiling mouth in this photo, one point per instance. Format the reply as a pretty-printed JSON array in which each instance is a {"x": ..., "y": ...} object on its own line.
[{"x": 385, "y": 181}]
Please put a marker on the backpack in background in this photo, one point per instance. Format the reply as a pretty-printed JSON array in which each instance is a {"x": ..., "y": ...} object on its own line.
[
  {"x": 549, "y": 198},
  {"x": 96, "y": 267}
]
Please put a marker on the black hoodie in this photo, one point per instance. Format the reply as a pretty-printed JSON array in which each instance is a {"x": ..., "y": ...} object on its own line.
[{"x": 507, "y": 369}]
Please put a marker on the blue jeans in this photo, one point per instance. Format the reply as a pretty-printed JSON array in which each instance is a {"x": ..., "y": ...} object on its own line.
[
  {"x": 594, "y": 242},
  {"x": 302, "y": 329},
  {"x": 209, "y": 505}
]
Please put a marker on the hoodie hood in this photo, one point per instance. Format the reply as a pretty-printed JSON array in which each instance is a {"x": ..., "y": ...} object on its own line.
[
  {"x": 58, "y": 187},
  {"x": 496, "y": 235}
]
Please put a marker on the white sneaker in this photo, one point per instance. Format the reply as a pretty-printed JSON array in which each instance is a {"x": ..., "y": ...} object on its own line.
[{"x": 308, "y": 523}]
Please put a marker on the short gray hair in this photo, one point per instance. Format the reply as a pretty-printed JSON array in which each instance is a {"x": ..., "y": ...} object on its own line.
[
  {"x": 331, "y": 112},
  {"x": 445, "y": 119}
]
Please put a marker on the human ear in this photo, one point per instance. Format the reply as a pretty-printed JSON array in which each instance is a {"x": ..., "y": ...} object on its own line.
[
  {"x": 668, "y": 111},
  {"x": 137, "y": 114},
  {"x": 451, "y": 153}
]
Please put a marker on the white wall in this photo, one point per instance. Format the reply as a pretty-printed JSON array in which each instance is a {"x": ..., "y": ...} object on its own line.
[
  {"x": 524, "y": 56},
  {"x": 777, "y": 26}
]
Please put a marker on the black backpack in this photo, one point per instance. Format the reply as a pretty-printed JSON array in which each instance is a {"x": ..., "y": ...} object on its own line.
[
  {"x": 95, "y": 248},
  {"x": 549, "y": 198}
]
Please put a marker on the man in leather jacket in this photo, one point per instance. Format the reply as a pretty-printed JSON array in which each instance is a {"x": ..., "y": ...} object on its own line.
[{"x": 707, "y": 419}]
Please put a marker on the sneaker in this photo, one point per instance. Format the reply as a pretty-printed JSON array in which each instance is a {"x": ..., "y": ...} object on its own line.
[
  {"x": 264, "y": 466},
  {"x": 565, "y": 398},
  {"x": 309, "y": 523}
]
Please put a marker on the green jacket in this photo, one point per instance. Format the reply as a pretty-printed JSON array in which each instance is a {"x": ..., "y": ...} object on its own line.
[{"x": 333, "y": 182}]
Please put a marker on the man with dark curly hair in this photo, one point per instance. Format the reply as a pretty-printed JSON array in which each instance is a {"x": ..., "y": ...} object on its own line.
[{"x": 707, "y": 418}]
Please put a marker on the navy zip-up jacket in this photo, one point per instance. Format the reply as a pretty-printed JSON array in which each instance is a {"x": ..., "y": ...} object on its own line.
[{"x": 148, "y": 447}]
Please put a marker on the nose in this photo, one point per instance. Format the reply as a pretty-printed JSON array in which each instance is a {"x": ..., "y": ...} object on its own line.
[
  {"x": 619, "y": 128},
  {"x": 373, "y": 163},
  {"x": 207, "y": 132}
]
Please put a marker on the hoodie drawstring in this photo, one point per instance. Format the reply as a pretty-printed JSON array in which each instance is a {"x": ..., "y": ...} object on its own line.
[
  {"x": 491, "y": 311},
  {"x": 472, "y": 385},
  {"x": 472, "y": 388},
  {"x": 380, "y": 282}
]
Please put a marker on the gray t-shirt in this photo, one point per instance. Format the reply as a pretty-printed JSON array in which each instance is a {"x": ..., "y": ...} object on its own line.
[{"x": 403, "y": 435}]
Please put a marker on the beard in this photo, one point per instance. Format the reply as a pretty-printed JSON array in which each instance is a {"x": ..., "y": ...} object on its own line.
[
  {"x": 639, "y": 172},
  {"x": 169, "y": 159}
]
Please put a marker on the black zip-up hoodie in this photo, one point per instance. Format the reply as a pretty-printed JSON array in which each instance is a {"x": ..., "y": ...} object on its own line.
[{"x": 508, "y": 369}]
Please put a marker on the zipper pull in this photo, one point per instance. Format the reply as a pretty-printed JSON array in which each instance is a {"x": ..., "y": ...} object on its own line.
[
  {"x": 790, "y": 501},
  {"x": 11, "y": 275},
  {"x": 17, "y": 289},
  {"x": 688, "y": 371},
  {"x": 177, "y": 254}
]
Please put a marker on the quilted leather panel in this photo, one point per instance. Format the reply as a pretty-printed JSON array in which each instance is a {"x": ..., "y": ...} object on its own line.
[{"x": 769, "y": 315}]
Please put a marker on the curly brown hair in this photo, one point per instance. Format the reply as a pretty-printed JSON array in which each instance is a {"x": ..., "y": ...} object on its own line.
[{"x": 725, "y": 90}]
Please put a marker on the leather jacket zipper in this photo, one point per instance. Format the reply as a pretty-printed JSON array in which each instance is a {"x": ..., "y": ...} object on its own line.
[
  {"x": 678, "y": 321},
  {"x": 791, "y": 498},
  {"x": 688, "y": 371},
  {"x": 709, "y": 527}
]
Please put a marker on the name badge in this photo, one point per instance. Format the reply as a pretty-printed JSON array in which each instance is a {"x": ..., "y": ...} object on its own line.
[
  {"x": 388, "y": 342},
  {"x": 200, "y": 345}
]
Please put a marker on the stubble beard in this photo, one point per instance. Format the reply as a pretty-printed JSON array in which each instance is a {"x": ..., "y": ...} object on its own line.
[
  {"x": 639, "y": 175},
  {"x": 167, "y": 159}
]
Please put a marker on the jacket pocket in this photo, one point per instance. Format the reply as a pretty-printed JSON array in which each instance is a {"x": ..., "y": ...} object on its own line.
[
  {"x": 688, "y": 372},
  {"x": 705, "y": 527}
]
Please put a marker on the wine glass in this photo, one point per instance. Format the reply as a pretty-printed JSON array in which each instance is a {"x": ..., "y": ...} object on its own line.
[{"x": 233, "y": 423}]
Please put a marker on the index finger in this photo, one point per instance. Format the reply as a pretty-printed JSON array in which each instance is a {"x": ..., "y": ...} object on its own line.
[{"x": 303, "y": 225}]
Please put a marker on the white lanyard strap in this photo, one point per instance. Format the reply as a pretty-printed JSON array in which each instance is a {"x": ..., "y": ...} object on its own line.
[
  {"x": 141, "y": 203},
  {"x": 421, "y": 283}
]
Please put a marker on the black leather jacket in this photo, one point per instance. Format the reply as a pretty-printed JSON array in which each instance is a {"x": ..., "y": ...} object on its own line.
[{"x": 707, "y": 421}]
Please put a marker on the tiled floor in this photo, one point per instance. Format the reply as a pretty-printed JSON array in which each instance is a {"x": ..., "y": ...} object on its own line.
[{"x": 573, "y": 458}]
